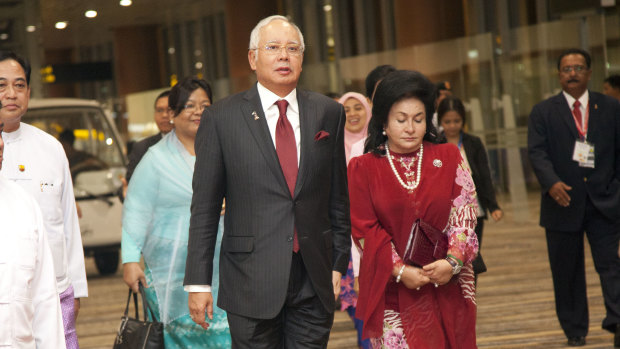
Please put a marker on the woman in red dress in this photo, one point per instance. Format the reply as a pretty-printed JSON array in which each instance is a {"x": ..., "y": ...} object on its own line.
[{"x": 405, "y": 176}]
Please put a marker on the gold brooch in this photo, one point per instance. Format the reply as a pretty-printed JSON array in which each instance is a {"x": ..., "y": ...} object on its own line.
[{"x": 21, "y": 168}]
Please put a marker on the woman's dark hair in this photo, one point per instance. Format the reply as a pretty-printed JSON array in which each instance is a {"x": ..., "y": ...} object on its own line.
[
  {"x": 179, "y": 94},
  {"x": 450, "y": 103},
  {"x": 395, "y": 87}
]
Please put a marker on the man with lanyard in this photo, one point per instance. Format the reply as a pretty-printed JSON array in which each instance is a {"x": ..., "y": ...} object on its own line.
[
  {"x": 574, "y": 148},
  {"x": 37, "y": 162}
]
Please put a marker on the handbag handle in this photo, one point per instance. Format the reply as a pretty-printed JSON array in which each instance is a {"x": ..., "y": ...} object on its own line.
[
  {"x": 145, "y": 304},
  {"x": 146, "y": 308},
  {"x": 135, "y": 300}
]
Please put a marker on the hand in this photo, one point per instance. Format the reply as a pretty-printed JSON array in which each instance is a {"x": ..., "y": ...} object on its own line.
[
  {"x": 132, "y": 274},
  {"x": 497, "y": 214},
  {"x": 336, "y": 277},
  {"x": 76, "y": 307},
  {"x": 79, "y": 210},
  {"x": 198, "y": 303},
  {"x": 558, "y": 192},
  {"x": 356, "y": 286},
  {"x": 439, "y": 272},
  {"x": 125, "y": 185},
  {"x": 413, "y": 277}
]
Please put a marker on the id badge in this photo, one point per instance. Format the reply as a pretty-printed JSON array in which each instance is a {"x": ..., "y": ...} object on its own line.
[{"x": 584, "y": 154}]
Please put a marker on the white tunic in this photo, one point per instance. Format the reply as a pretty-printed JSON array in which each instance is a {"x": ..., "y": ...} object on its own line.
[
  {"x": 37, "y": 162},
  {"x": 30, "y": 315}
]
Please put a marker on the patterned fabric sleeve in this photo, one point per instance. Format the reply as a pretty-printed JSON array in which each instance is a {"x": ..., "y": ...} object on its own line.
[
  {"x": 462, "y": 238},
  {"x": 396, "y": 260}
]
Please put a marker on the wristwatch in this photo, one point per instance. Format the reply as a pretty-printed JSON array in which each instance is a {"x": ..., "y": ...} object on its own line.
[{"x": 456, "y": 267}]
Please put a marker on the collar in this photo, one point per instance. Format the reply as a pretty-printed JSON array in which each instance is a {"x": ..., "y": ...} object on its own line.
[
  {"x": 584, "y": 99},
  {"x": 10, "y": 137},
  {"x": 268, "y": 98}
]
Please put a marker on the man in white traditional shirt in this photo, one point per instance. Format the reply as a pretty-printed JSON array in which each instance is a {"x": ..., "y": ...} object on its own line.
[
  {"x": 37, "y": 162},
  {"x": 29, "y": 306}
]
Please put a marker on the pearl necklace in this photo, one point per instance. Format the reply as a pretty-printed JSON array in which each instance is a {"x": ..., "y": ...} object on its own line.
[{"x": 419, "y": 170}]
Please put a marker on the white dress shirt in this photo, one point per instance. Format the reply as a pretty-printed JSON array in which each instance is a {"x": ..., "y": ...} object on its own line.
[
  {"x": 272, "y": 114},
  {"x": 268, "y": 99},
  {"x": 583, "y": 100},
  {"x": 30, "y": 315},
  {"x": 37, "y": 162}
]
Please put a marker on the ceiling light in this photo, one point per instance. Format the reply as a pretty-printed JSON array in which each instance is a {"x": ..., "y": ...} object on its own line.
[
  {"x": 125, "y": 2},
  {"x": 90, "y": 13},
  {"x": 30, "y": 28},
  {"x": 61, "y": 25}
]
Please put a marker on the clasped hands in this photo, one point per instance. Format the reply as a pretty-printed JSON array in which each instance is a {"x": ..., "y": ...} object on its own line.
[{"x": 439, "y": 272}]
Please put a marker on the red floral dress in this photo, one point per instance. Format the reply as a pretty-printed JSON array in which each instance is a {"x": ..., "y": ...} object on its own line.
[{"x": 382, "y": 213}]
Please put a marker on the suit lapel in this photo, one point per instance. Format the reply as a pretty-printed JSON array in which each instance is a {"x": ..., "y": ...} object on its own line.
[
  {"x": 563, "y": 110},
  {"x": 308, "y": 125},
  {"x": 593, "y": 116},
  {"x": 260, "y": 131}
]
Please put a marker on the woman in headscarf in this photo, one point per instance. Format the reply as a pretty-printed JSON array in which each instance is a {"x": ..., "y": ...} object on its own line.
[{"x": 358, "y": 116}]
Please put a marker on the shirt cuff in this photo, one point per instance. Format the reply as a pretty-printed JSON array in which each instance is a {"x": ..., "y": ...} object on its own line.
[{"x": 197, "y": 288}]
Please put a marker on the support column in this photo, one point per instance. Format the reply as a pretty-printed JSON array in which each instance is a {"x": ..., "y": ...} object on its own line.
[
  {"x": 137, "y": 62},
  {"x": 241, "y": 18}
]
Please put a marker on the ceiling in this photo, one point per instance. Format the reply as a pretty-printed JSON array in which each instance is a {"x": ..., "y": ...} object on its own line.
[{"x": 86, "y": 31}]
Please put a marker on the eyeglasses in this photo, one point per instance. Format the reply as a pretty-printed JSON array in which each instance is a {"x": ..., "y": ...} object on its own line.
[
  {"x": 192, "y": 108},
  {"x": 576, "y": 68},
  {"x": 291, "y": 49}
]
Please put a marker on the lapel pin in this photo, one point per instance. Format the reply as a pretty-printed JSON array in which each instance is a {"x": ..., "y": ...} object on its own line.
[{"x": 255, "y": 115}]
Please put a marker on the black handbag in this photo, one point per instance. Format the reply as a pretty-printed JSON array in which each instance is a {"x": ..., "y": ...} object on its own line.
[
  {"x": 134, "y": 333},
  {"x": 426, "y": 244}
]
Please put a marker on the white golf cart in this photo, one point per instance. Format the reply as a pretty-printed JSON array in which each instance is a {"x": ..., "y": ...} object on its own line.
[{"x": 97, "y": 161}]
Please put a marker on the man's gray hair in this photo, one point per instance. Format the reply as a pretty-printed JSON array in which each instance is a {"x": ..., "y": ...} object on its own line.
[{"x": 255, "y": 35}]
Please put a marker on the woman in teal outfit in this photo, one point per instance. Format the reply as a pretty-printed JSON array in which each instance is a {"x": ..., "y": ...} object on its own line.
[{"x": 156, "y": 224}]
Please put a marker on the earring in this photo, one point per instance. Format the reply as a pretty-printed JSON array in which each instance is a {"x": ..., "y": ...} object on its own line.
[
  {"x": 171, "y": 122},
  {"x": 383, "y": 133}
]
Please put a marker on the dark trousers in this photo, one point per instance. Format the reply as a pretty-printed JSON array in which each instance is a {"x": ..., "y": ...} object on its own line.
[
  {"x": 303, "y": 321},
  {"x": 478, "y": 263},
  {"x": 566, "y": 256}
]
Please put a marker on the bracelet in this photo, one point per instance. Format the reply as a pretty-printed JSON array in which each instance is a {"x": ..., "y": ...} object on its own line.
[
  {"x": 460, "y": 262},
  {"x": 400, "y": 273}
]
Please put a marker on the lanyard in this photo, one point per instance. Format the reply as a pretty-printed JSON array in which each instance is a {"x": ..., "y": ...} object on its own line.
[{"x": 583, "y": 131}]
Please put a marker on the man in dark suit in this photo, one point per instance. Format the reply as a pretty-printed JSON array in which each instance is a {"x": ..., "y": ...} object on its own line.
[
  {"x": 276, "y": 154},
  {"x": 574, "y": 147},
  {"x": 163, "y": 120}
]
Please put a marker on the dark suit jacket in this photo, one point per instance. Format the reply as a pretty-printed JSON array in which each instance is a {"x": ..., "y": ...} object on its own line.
[
  {"x": 236, "y": 159},
  {"x": 137, "y": 152},
  {"x": 551, "y": 140},
  {"x": 480, "y": 172}
]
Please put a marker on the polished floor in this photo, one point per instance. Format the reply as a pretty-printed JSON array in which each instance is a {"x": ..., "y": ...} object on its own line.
[{"x": 515, "y": 297}]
